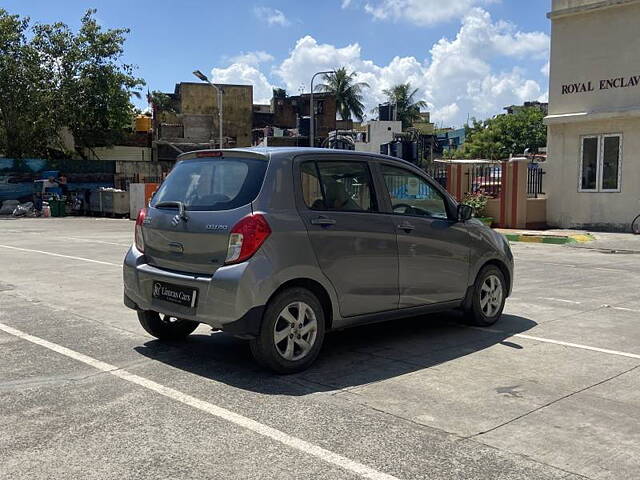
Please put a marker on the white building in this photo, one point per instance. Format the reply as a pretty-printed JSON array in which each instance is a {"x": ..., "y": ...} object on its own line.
[
  {"x": 377, "y": 132},
  {"x": 593, "y": 170}
]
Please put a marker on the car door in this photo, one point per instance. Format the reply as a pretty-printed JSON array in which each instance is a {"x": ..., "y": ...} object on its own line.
[
  {"x": 432, "y": 246},
  {"x": 355, "y": 245}
]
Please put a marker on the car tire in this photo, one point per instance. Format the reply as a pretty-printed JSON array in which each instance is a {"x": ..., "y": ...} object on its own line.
[
  {"x": 290, "y": 341},
  {"x": 164, "y": 327},
  {"x": 488, "y": 297}
]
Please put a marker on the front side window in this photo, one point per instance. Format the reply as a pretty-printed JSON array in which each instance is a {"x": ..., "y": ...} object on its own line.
[
  {"x": 413, "y": 195},
  {"x": 337, "y": 186},
  {"x": 600, "y": 163}
]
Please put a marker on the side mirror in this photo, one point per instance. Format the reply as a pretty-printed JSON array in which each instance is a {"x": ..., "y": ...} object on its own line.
[{"x": 465, "y": 212}]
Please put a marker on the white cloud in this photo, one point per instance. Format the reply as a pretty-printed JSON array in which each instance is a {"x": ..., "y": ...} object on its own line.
[
  {"x": 461, "y": 72},
  {"x": 545, "y": 69},
  {"x": 493, "y": 92},
  {"x": 419, "y": 12},
  {"x": 308, "y": 57},
  {"x": 447, "y": 114},
  {"x": 457, "y": 79},
  {"x": 244, "y": 74},
  {"x": 272, "y": 16},
  {"x": 252, "y": 58}
]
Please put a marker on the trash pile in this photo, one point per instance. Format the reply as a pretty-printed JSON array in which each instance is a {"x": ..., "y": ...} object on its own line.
[{"x": 17, "y": 209}]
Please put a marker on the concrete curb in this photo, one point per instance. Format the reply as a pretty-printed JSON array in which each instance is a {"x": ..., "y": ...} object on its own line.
[{"x": 553, "y": 239}]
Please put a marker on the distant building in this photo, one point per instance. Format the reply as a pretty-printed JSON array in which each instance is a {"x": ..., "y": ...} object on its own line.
[
  {"x": 451, "y": 139},
  {"x": 424, "y": 125},
  {"x": 371, "y": 135},
  {"x": 346, "y": 124},
  {"x": 387, "y": 112},
  {"x": 542, "y": 106},
  {"x": 286, "y": 121},
  {"x": 194, "y": 122},
  {"x": 262, "y": 115},
  {"x": 425, "y": 117},
  {"x": 289, "y": 111}
]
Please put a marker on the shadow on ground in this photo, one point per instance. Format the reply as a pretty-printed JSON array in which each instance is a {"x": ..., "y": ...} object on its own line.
[{"x": 349, "y": 358}]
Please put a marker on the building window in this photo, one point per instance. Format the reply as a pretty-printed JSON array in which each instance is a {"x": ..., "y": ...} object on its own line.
[{"x": 600, "y": 163}]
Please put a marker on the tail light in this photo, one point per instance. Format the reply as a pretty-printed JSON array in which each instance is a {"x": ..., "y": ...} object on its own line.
[
  {"x": 138, "y": 238},
  {"x": 246, "y": 237}
]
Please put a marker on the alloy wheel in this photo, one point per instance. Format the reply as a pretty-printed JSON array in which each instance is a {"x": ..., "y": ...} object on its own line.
[
  {"x": 295, "y": 331},
  {"x": 491, "y": 296}
]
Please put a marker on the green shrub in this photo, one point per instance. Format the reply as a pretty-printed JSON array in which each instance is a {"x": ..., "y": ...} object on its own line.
[{"x": 478, "y": 201}]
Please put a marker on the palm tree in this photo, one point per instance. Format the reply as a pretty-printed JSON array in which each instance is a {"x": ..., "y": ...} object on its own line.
[
  {"x": 408, "y": 109},
  {"x": 348, "y": 93}
]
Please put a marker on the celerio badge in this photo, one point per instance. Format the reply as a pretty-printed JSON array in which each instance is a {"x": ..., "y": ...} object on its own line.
[{"x": 218, "y": 227}]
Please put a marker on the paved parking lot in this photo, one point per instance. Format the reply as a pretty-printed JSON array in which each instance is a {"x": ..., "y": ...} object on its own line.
[{"x": 552, "y": 391}]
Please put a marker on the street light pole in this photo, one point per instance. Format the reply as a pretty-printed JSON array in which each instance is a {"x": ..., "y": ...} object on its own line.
[
  {"x": 312, "y": 119},
  {"x": 204, "y": 78}
]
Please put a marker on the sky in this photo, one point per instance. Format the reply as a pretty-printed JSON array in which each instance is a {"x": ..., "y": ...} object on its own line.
[{"x": 468, "y": 58}]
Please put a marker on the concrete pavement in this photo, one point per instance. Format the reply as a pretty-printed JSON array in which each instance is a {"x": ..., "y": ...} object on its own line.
[{"x": 550, "y": 392}]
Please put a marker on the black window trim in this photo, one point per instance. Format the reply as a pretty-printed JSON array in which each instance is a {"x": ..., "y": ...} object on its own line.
[
  {"x": 434, "y": 185},
  {"x": 372, "y": 187}
]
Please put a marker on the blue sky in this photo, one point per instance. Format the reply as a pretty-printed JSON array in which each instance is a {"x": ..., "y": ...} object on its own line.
[{"x": 467, "y": 57}]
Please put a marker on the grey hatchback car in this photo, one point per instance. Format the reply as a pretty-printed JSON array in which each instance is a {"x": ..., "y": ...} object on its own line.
[{"x": 281, "y": 245}]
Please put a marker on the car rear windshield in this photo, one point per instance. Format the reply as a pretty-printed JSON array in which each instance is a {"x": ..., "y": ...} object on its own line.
[{"x": 213, "y": 183}]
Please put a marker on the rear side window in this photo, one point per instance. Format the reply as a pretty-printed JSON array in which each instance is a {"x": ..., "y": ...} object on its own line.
[
  {"x": 342, "y": 186},
  {"x": 213, "y": 183}
]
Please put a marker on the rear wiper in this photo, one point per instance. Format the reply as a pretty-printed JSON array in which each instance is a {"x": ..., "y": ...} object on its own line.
[{"x": 174, "y": 204}]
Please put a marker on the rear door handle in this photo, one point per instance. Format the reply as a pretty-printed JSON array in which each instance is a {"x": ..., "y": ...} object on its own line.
[
  {"x": 324, "y": 221},
  {"x": 406, "y": 226},
  {"x": 176, "y": 247}
]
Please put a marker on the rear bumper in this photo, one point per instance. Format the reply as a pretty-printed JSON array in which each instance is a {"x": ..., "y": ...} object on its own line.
[{"x": 223, "y": 302}]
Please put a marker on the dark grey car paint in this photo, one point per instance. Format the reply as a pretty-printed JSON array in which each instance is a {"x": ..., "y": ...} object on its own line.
[
  {"x": 359, "y": 255},
  {"x": 288, "y": 255},
  {"x": 434, "y": 261},
  {"x": 357, "y": 251},
  {"x": 189, "y": 245}
]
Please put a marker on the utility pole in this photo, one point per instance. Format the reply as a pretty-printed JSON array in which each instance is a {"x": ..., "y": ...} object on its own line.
[
  {"x": 219, "y": 91},
  {"x": 312, "y": 119}
]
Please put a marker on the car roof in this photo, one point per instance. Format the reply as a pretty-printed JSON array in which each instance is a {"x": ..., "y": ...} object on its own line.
[{"x": 270, "y": 152}]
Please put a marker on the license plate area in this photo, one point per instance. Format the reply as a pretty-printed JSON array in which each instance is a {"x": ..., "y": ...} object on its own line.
[{"x": 176, "y": 294}]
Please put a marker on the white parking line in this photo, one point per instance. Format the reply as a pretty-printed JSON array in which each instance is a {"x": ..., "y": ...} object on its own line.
[
  {"x": 90, "y": 240},
  {"x": 560, "y": 300},
  {"x": 60, "y": 255},
  {"x": 560, "y": 264},
  {"x": 577, "y": 345},
  {"x": 214, "y": 410},
  {"x": 558, "y": 342}
]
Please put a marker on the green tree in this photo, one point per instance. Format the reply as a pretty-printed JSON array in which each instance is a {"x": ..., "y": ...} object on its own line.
[
  {"x": 25, "y": 94},
  {"x": 93, "y": 86},
  {"x": 279, "y": 93},
  {"x": 404, "y": 97},
  {"x": 504, "y": 135},
  {"x": 162, "y": 102},
  {"x": 51, "y": 77},
  {"x": 348, "y": 93}
]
